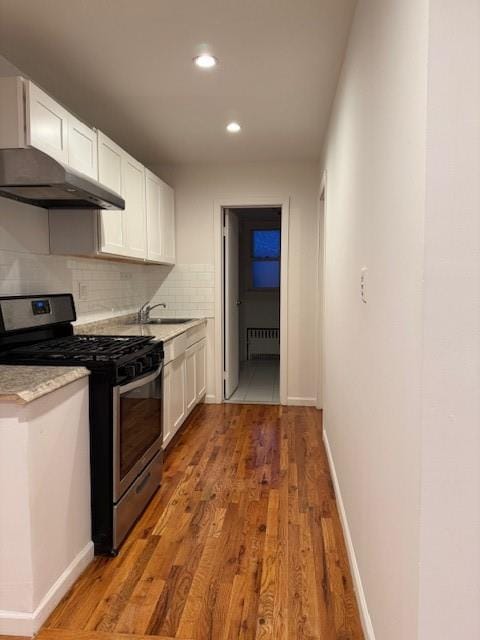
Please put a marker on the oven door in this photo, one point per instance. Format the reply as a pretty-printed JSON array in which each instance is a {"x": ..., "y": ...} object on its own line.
[{"x": 137, "y": 423}]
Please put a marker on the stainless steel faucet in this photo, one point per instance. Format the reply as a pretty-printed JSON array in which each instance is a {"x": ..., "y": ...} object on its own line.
[{"x": 143, "y": 315}]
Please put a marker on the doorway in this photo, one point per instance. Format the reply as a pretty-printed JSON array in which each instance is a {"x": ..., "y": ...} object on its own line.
[
  {"x": 252, "y": 302},
  {"x": 252, "y": 258}
]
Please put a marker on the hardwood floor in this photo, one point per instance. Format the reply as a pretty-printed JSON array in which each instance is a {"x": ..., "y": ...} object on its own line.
[{"x": 243, "y": 541}]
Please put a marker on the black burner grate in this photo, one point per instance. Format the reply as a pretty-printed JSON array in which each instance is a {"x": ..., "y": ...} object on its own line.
[{"x": 93, "y": 347}]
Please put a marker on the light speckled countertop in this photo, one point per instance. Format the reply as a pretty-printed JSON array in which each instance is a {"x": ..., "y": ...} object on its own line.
[
  {"x": 127, "y": 327},
  {"x": 21, "y": 384}
]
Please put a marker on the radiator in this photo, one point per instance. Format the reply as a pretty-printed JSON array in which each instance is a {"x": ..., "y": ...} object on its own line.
[{"x": 263, "y": 344}]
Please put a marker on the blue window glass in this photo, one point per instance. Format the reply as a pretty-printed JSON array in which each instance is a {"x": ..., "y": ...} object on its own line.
[
  {"x": 266, "y": 243},
  {"x": 266, "y": 274}
]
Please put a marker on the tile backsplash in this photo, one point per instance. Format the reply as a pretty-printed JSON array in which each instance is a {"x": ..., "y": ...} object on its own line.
[
  {"x": 105, "y": 288},
  {"x": 187, "y": 290}
]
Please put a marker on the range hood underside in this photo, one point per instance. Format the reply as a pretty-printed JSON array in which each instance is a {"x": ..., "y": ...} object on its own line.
[
  {"x": 32, "y": 176},
  {"x": 51, "y": 197}
]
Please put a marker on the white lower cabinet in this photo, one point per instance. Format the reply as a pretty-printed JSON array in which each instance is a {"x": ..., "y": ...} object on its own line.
[
  {"x": 184, "y": 383},
  {"x": 201, "y": 369},
  {"x": 190, "y": 371},
  {"x": 167, "y": 423},
  {"x": 177, "y": 393}
]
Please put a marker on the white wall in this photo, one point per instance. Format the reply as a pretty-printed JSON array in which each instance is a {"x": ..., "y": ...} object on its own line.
[
  {"x": 402, "y": 408},
  {"x": 375, "y": 195},
  {"x": 450, "y": 504},
  {"x": 196, "y": 189}
]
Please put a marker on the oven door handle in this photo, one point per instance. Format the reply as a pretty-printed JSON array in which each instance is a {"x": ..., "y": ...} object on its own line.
[{"x": 139, "y": 382}]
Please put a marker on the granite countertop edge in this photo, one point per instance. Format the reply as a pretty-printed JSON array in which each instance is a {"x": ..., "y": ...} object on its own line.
[
  {"x": 21, "y": 384},
  {"x": 126, "y": 326}
]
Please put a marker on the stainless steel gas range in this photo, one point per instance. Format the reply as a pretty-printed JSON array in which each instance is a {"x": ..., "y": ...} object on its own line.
[{"x": 125, "y": 404}]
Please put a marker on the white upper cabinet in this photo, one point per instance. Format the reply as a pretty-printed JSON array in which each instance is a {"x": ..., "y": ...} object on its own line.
[
  {"x": 134, "y": 214},
  {"x": 144, "y": 231},
  {"x": 154, "y": 228},
  {"x": 46, "y": 123},
  {"x": 167, "y": 217},
  {"x": 160, "y": 220},
  {"x": 29, "y": 117},
  {"x": 52, "y": 129},
  {"x": 82, "y": 148},
  {"x": 110, "y": 173},
  {"x": 122, "y": 233}
]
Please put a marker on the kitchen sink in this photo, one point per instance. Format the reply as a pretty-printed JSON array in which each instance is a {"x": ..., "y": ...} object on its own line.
[{"x": 168, "y": 320}]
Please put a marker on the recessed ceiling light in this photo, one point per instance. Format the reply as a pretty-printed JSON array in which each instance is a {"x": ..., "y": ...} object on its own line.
[
  {"x": 205, "y": 61},
  {"x": 233, "y": 127}
]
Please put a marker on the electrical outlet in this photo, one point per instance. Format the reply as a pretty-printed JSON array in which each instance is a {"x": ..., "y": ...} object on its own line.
[
  {"x": 125, "y": 275},
  {"x": 363, "y": 284},
  {"x": 82, "y": 291}
]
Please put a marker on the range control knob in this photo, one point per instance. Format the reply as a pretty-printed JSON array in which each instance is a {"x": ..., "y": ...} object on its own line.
[
  {"x": 128, "y": 371},
  {"x": 156, "y": 358}
]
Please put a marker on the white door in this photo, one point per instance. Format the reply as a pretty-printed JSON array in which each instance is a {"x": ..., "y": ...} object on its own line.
[
  {"x": 154, "y": 232},
  {"x": 190, "y": 383},
  {"x": 231, "y": 312},
  {"x": 82, "y": 148},
  {"x": 135, "y": 217},
  {"x": 47, "y": 123},
  {"x": 201, "y": 369},
  {"x": 167, "y": 394},
  {"x": 110, "y": 174},
  {"x": 177, "y": 393}
]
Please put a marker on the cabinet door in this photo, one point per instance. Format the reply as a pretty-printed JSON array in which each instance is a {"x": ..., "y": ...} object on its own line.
[
  {"x": 152, "y": 197},
  {"x": 82, "y": 148},
  {"x": 167, "y": 224},
  {"x": 47, "y": 123},
  {"x": 177, "y": 393},
  {"x": 110, "y": 170},
  {"x": 134, "y": 215},
  {"x": 167, "y": 421},
  {"x": 190, "y": 375},
  {"x": 201, "y": 369}
]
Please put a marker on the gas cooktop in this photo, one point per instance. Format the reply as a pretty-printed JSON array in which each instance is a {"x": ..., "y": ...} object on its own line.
[{"x": 91, "y": 347}]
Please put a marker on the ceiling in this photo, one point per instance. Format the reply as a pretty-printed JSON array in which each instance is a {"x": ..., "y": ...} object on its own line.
[{"x": 125, "y": 66}]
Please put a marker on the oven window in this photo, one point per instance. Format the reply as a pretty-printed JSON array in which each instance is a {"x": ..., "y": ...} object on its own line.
[{"x": 140, "y": 422}]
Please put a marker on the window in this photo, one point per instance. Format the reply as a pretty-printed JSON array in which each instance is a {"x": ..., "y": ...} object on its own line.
[{"x": 266, "y": 258}]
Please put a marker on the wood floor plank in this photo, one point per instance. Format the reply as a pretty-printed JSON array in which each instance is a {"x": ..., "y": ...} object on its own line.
[
  {"x": 242, "y": 542},
  {"x": 67, "y": 634}
]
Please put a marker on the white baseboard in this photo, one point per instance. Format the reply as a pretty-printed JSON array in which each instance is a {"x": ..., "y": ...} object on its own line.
[
  {"x": 296, "y": 401},
  {"x": 357, "y": 580},
  {"x": 20, "y": 623},
  {"x": 210, "y": 399}
]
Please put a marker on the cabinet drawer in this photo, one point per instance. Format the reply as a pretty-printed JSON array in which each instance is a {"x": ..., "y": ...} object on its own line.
[
  {"x": 175, "y": 347},
  {"x": 195, "y": 334}
]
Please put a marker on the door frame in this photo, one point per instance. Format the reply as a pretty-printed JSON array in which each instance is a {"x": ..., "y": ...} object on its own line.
[
  {"x": 320, "y": 306},
  {"x": 240, "y": 202}
]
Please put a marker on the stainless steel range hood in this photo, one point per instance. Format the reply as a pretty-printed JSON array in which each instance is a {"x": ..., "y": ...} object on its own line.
[{"x": 31, "y": 176}]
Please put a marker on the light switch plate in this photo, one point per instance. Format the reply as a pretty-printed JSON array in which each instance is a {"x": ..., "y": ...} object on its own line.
[
  {"x": 82, "y": 291},
  {"x": 363, "y": 284}
]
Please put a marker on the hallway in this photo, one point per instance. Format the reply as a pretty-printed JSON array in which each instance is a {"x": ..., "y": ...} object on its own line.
[{"x": 242, "y": 541}]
